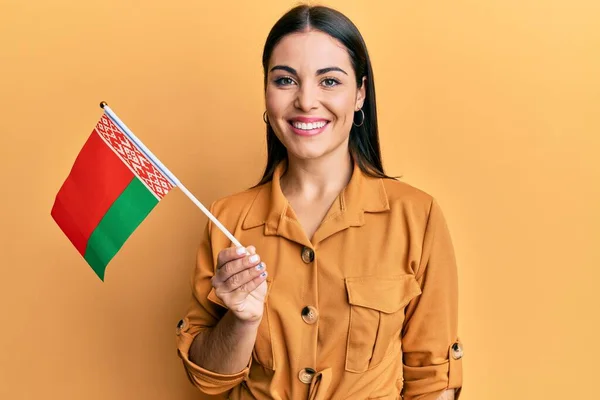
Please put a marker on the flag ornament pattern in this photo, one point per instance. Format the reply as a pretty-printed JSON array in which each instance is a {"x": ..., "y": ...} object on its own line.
[
  {"x": 111, "y": 188},
  {"x": 140, "y": 165}
]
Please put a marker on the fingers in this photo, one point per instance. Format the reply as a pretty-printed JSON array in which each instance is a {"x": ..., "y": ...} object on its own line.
[
  {"x": 249, "y": 287},
  {"x": 239, "y": 273},
  {"x": 246, "y": 280},
  {"x": 233, "y": 253},
  {"x": 236, "y": 266},
  {"x": 231, "y": 263}
]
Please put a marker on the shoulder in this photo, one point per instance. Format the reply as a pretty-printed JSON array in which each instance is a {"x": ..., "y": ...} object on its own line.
[
  {"x": 410, "y": 200},
  {"x": 402, "y": 193}
]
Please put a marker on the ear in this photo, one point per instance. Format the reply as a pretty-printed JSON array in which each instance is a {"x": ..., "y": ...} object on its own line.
[{"x": 361, "y": 94}]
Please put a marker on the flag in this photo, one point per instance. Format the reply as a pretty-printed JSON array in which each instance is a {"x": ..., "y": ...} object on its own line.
[{"x": 113, "y": 185}]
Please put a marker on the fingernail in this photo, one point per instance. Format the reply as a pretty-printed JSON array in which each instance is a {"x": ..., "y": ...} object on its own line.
[
  {"x": 254, "y": 258},
  {"x": 240, "y": 250},
  {"x": 263, "y": 274},
  {"x": 260, "y": 266}
]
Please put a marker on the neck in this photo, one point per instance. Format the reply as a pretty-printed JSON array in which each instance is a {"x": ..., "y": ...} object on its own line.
[{"x": 316, "y": 178}]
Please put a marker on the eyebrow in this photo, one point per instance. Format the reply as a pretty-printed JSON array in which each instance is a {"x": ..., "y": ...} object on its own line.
[{"x": 319, "y": 71}]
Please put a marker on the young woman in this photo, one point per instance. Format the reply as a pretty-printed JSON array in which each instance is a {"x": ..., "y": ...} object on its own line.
[{"x": 348, "y": 286}]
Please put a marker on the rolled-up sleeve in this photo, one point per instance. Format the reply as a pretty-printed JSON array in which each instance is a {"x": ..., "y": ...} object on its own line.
[
  {"x": 204, "y": 312},
  {"x": 432, "y": 350}
]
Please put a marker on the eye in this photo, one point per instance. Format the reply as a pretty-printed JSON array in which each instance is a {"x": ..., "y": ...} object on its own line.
[
  {"x": 330, "y": 82},
  {"x": 284, "y": 81}
]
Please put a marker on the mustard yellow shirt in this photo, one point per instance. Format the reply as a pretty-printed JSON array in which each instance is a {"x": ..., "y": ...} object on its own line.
[{"x": 366, "y": 310}]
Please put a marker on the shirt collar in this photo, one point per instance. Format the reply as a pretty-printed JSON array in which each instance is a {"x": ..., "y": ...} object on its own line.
[{"x": 271, "y": 208}]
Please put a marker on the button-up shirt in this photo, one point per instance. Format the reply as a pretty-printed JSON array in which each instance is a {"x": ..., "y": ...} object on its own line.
[{"x": 365, "y": 309}]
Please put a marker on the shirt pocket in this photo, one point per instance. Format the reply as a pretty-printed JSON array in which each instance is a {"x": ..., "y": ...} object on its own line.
[{"x": 376, "y": 317}]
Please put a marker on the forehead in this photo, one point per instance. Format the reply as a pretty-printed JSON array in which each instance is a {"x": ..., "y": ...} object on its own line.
[{"x": 310, "y": 51}]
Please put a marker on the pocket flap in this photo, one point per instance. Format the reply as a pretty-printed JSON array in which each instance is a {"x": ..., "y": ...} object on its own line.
[{"x": 385, "y": 294}]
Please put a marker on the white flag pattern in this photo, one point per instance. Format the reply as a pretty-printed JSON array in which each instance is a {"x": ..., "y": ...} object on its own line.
[{"x": 132, "y": 156}]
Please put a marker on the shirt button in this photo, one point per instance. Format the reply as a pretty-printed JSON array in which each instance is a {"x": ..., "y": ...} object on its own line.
[
  {"x": 308, "y": 255},
  {"x": 181, "y": 325},
  {"x": 306, "y": 375},
  {"x": 457, "y": 351},
  {"x": 310, "y": 315}
]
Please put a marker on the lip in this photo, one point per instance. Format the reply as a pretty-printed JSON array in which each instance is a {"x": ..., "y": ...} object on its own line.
[{"x": 306, "y": 120}]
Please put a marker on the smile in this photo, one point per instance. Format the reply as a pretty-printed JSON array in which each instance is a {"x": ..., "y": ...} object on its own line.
[
  {"x": 308, "y": 126},
  {"x": 304, "y": 126}
]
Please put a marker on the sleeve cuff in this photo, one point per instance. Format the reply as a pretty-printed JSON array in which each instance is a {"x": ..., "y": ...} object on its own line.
[
  {"x": 455, "y": 370},
  {"x": 429, "y": 382},
  {"x": 208, "y": 382}
]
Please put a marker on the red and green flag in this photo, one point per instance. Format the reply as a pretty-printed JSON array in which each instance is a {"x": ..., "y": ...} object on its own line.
[{"x": 113, "y": 185}]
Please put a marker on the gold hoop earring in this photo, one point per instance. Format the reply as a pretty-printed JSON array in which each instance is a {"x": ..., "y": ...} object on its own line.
[
  {"x": 265, "y": 118},
  {"x": 362, "y": 121}
]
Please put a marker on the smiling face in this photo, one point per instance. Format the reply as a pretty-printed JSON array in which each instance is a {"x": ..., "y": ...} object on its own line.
[{"x": 311, "y": 95}]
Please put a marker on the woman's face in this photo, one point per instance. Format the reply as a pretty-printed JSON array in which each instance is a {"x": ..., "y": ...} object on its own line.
[{"x": 311, "y": 94}]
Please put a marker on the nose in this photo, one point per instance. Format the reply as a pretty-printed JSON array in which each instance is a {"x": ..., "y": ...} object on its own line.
[{"x": 306, "y": 98}]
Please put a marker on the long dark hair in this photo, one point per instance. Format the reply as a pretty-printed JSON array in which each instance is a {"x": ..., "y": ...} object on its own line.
[{"x": 364, "y": 139}]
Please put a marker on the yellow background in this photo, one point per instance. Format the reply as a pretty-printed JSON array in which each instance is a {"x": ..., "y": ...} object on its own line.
[{"x": 491, "y": 106}]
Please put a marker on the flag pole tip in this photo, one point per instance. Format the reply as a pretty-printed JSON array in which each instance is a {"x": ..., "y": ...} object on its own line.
[{"x": 102, "y": 104}]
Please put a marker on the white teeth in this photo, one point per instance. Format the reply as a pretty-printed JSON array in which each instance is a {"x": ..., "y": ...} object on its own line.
[{"x": 311, "y": 125}]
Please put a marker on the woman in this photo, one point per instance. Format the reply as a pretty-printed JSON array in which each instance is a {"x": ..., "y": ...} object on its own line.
[{"x": 349, "y": 287}]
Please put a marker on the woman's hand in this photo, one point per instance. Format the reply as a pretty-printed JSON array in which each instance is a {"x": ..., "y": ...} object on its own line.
[{"x": 240, "y": 282}]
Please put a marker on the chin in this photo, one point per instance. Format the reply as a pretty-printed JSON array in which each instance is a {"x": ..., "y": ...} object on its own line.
[
  {"x": 306, "y": 154},
  {"x": 303, "y": 148}
]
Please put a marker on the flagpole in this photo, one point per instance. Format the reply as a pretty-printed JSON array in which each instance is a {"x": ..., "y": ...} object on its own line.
[{"x": 161, "y": 167}]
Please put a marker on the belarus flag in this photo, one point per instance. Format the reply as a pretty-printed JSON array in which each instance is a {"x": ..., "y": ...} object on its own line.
[{"x": 111, "y": 188}]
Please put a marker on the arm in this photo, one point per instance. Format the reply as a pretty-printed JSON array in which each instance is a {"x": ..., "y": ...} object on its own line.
[
  {"x": 227, "y": 347},
  {"x": 216, "y": 336},
  {"x": 432, "y": 352}
]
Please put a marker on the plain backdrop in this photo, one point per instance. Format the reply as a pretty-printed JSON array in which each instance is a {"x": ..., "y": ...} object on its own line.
[{"x": 490, "y": 106}]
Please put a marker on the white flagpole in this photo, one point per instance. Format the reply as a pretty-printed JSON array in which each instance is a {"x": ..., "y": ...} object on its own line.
[{"x": 161, "y": 167}]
